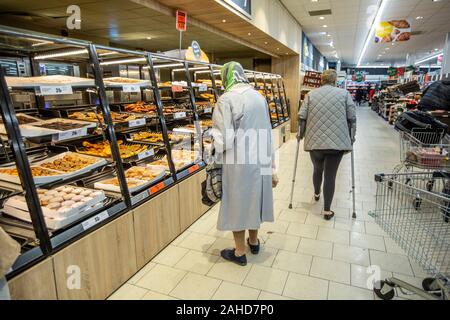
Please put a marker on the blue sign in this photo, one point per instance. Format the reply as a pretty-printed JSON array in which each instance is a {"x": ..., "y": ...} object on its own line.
[{"x": 196, "y": 49}]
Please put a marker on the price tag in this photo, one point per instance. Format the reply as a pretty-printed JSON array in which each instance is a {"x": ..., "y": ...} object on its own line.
[
  {"x": 202, "y": 88},
  {"x": 157, "y": 187},
  {"x": 179, "y": 115},
  {"x": 177, "y": 89},
  {"x": 207, "y": 110},
  {"x": 146, "y": 154},
  {"x": 138, "y": 198},
  {"x": 136, "y": 123},
  {"x": 194, "y": 168},
  {"x": 95, "y": 220},
  {"x": 71, "y": 134},
  {"x": 55, "y": 90},
  {"x": 131, "y": 88}
]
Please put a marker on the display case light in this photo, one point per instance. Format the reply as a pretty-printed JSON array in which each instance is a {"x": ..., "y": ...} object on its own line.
[
  {"x": 130, "y": 60},
  {"x": 192, "y": 69},
  {"x": 168, "y": 65},
  {"x": 60, "y": 54}
]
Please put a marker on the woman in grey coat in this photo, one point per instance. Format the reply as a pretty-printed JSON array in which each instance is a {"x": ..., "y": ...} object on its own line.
[
  {"x": 328, "y": 123},
  {"x": 242, "y": 135}
]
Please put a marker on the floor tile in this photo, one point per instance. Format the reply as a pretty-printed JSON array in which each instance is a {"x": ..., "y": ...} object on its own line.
[
  {"x": 161, "y": 279},
  {"x": 195, "y": 287},
  {"x": 349, "y": 225},
  {"x": 293, "y": 216},
  {"x": 228, "y": 271},
  {"x": 373, "y": 229},
  {"x": 278, "y": 226},
  {"x": 270, "y": 296},
  {"x": 392, "y": 247},
  {"x": 284, "y": 242},
  {"x": 339, "y": 291},
  {"x": 367, "y": 241},
  {"x": 219, "y": 245},
  {"x": 149, "y": 266},
  {"x": 333, "y": 235},
  {"x": 364, "y": 277},
  {"x": 317, "y": 248},
  {"x": 333, "y": 270},
  {"x": 265, "y": 257},
  {"x": 170, "y": 255},
  {"x": 151, "y": 295},
  {"x": 294, "y": 262},
  {"x": 351, "y": 254},
  {"x": 391, "y": 262},
  {"x": 128, "y": 292},
  {"x": 180, "y": 238},
  {"x": 196, "y": 241},
  {"x": 303, "y": 287},
  {"x": 197, "y": 262},
  {"x": 303, "y": 230},
  {"x": 318, "y": 220},
  {"x": 266, "y": 279},
  {"x": 231, "y": 291}
]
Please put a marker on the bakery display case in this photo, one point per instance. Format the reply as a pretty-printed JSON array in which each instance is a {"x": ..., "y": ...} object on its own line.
[{"x": 85, "y": 148}]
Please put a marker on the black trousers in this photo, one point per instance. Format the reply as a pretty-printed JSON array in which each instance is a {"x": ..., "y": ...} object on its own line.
[{"x": 326, "y": 162}]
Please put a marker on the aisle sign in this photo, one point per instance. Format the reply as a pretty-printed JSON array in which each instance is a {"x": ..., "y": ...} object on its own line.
[
  {"x": 95, "y": 220},
  {"x": 181, "y": 20},
  {"x": 55, "y": 90},
  {"x": 131, "y": 88}
]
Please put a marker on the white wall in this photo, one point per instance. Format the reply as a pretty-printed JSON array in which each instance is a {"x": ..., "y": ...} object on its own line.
[{"x": 271, "y": 17}]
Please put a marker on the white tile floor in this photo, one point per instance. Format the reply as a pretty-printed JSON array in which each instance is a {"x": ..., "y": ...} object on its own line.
[{"x": 303, "y": 256}]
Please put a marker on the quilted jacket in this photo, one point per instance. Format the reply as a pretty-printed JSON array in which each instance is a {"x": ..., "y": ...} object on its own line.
[{"x": 330, "y": 116}]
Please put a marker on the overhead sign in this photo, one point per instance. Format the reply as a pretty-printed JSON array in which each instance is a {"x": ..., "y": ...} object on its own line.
[
  {"x": 392, "y": 31},
  {"x": 181, "y": 20},
  {"x": 196, "y": 50}
]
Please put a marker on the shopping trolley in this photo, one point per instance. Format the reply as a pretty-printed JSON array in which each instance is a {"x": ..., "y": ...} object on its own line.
[
  {"x": 423, "y": 150},
  {"x": 416, "y": 215}
]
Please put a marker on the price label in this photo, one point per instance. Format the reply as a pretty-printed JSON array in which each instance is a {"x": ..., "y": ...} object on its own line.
[
  {"x": 71, "y": 134},
  {"x": 131, "y": 88},
  {"x": 95, "y": 220},
  {"x": 140, "y": 197},
  {"x": 207, "y": 110},
  {"x": 177, "y": 89},
  {"x": 55, "y": 90},
  {"x": 194, "y": 168},
  {"x": 146, "y": 154},
  {"x": 179, "y": 115},
  {"x": 157, "y": 187},
  {"x": 136, "y": 123},
  {"x": 202, "y": 88}
]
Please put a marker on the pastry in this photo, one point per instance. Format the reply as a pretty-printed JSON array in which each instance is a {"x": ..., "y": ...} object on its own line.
[
  {"x": 69, "y": 163},
  {"x": 77, "y": 198},
  {"x": 54, "y": 205},
  {"x": 35, "y": 171},
  {"x": 68, "y": 196},
  {"x": 103, "y": 149},
  {"x": 64, "y": 209},
  {"x": 67, "y": 203}
]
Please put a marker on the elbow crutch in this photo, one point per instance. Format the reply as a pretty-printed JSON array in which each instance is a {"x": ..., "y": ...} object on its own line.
[{"x": 295, "y": 174}]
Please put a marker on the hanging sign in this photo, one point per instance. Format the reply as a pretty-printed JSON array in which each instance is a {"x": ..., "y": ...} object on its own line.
[
  {"x": 196, "y": 50},
  {"x": 392, "y": 31},
  {"x": 181, "y": 20}
]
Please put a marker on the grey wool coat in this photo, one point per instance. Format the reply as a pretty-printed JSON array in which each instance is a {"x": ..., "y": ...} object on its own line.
[
  {"x": 247, "y": 198},
  {"x": 330, "y": 116}
]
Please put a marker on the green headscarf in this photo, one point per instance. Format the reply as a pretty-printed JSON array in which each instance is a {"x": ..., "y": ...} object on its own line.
[{"x": 232, "y": 73}]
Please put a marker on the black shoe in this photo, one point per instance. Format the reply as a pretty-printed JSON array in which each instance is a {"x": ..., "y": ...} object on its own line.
[
  {"x": 228, "y": 254},
  {"x": 328, "y": 217},
  {"x": 317, "y": 198},
  {"x": 254, "y": 249}
]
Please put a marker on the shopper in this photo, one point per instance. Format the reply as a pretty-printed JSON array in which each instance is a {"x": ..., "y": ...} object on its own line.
[
  {"x": 436, "y": 97},
  {"x": 359, "y": 96},
  {"x": 9, "y": 250},
  {"x": 328, "y": 124},
  {"x": 247, "y": 198}
]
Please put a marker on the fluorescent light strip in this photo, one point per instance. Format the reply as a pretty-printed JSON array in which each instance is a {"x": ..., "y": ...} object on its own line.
[
  {"x": 429, "y": 58},
  {"x": 60, "y": 54},
  {"x": 372, "y": 67},
  {"x": 431, "y": 67},
  {"x": 108, "y": 63},
  {"x": 372, "y": 29}
]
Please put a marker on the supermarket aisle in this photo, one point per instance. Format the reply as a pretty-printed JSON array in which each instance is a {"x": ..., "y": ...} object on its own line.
[{"x": 303, "y": 256}]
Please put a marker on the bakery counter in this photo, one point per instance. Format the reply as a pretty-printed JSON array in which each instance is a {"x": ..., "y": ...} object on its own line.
[{"x": 281, "y": 134}]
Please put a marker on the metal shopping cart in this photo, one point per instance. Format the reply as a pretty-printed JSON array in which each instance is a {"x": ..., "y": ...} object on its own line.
[
  {"x": 416, "y": 215},
  {"x": 423, "y": 150}
]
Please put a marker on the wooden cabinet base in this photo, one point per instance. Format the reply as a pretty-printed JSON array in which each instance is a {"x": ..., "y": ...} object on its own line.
[
  {"x": 95, "y": 266},
  {"x": 36, "y": 283}
]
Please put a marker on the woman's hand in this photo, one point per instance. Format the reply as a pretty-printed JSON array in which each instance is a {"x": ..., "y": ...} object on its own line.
[{"x": 275, "y": 180}]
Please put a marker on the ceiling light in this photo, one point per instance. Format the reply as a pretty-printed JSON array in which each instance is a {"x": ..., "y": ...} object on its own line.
[
  {"x": 428, "y": 58},
  {"x": 388, "y": 49},
  {"x": 323, "y": 33},
  {"x": 249, "y": 33},
  {"x": 108, "y": 63},
  {"x": 322, "y": 18},
  {"x": 266, "y": 42},
  {"x": 372, "y": 29},
  {"x": 60, "y": 54},
  {"x": 149, "y": 38},
  {"x": 328, "y": 35},
  {"x": 278, "y": 48},
  {"x": 419, "y": 18},
  {"x": 325, "y": 26},
  {"x": 224, "y": 20}
]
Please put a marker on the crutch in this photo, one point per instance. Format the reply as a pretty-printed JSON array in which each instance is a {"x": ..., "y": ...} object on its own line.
[
  {"x": 353, "y": 185},
  {"x": 295, "y": 174}
]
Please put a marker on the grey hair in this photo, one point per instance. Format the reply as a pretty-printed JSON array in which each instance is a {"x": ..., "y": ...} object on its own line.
[{"x": 329, "y": 77}]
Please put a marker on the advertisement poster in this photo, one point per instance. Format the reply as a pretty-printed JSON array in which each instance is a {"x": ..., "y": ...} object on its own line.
[{"x": 392, "y": 31}]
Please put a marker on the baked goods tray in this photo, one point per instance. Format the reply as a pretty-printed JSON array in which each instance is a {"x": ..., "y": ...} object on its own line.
[
  {"x": 20, "y": 117},
  {"x": 36, "y": 134},
  {"x": 147, "y": 152},
  {"x": 54, "y": 175},
  {"x": 158, "y": 143},
  {"x": 134, "y": 185},
  {"x": 55, "y": 81},
  {"x": 127, "y": 84},
  {"x": 138, "y": 120}
]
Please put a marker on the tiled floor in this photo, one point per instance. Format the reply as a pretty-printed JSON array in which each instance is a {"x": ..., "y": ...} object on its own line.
[{"x": 303, "y": 256}]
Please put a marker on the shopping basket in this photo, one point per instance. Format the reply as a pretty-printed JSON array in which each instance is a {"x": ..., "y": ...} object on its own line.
[
  {"x": 414, "y": 210},
  {"x": 424, "y": 150}
]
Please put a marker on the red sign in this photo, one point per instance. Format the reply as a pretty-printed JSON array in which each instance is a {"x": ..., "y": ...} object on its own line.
[
  {"x": 157, "y": 187},
  {"x": 181, "y": 20},
  {"x": 400, "y": 72},
  {"x": 177, "y": 89},
  {"x": 193, "y": 168}
]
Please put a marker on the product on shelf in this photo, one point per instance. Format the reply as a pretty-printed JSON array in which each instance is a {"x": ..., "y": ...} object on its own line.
[
  {"x": 103, "y": 149},
  {"x": 208, "y": 96},
  {"x": 180, "y": 158},
  {"x": 145, "y": 173},
  {"x": 47, "y": 81},
  {"x": 95, "y": 117},
  {"x": 24, "y": 119},
  {"x": 141, "y": 107},
  {"x": 120, "y": 80},
  {"x": 113, "y": 184},
  {"x": 165, "y": 84},
  {"x": 35, "y": 171},
  {"x": 155, "y": 137},
  {"x": 69, "y": 163},
  {"x": 61, "y": 125}
]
